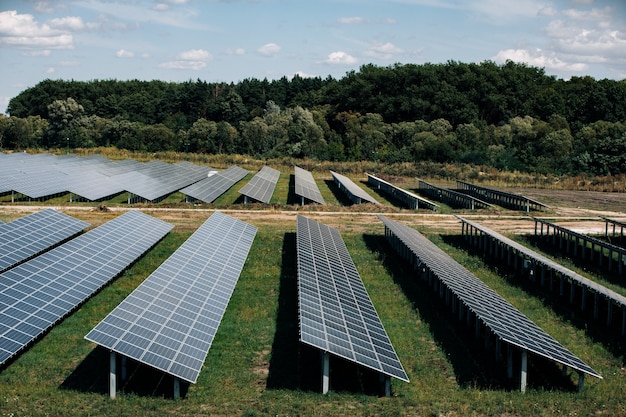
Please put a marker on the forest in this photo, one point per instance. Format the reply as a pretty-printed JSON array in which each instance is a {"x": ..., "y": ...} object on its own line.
[{"x": 509, "y": 117}]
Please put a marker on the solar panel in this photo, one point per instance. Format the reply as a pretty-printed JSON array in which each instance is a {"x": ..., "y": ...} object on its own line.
[
  {"x": 306, "y": 187},
  {"x": 336, "y": 313},
  {"x": 412, "y": 200},
  {"x": 30, "y": 235},
  {"x": 504, "y": 320},
  {"x": 261, "y": 186},
  {"x": 210, "y": 188},
  {"x": 37, "y": 294},
  {"x": 356, "y": 194},
  {"x": 170, "y": 320},
  {"x": 590, "y": 285}
]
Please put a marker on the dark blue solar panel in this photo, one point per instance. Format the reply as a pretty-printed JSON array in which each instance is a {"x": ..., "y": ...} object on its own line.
[
  {"x": 336, "y": 313},
  {"x": 30, "y": 235},
  {"x": 170, "y": 320},
  {"x": 44, "y": 290}
]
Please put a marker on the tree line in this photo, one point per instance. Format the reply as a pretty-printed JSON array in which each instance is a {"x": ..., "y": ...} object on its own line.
[{"x": 510, "y": 116}]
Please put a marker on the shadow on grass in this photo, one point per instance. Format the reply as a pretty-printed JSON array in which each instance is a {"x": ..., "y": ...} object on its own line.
[
  {"x": 283, "y": 367},
  {"x": 386, "y": 196},
  {"x": 572, "y": 313},
  {"x": 585, "y": 264},
  {"x": 292, "y": 198},
  {"x": 296, "y": 366},
  {"x": 92, "y": 375},
  {"x": 474, "y": 365},
  {"x": 341, "y": 197}
]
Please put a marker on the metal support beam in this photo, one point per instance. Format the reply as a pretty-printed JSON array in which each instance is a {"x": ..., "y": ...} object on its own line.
[
  {"x": 581, "y": 381},
  {"x": 325, "y": 372},
  {"x": 523, "y": 371},
  {"x": 112, "y": 375},
  {"x": 385, "y": 381},
  {"x": 123, "y": 364},
  {"x": 176, "y": 388}
]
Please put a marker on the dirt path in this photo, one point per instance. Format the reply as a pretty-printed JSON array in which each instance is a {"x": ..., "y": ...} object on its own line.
[{"x": 577, "y": 210}]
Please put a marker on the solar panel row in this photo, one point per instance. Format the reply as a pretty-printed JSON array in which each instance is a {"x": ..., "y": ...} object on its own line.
[
  {"x": 262, "y": 185},
  {"x": 210, "y": 188},
  {"x": 355, "y": 193},
  {"x": 540, "y": 259},
  {"x": 40, "y": 292},
  {"x": 170, "y": 320},
  {"x": 306, "y": 187},
  {"x": 93, "y": 177},
  {"x": 336, "y": 313},
  {"x": 28, "y": 236},
  {"x": 504, "y": 320},
  {"x": 412, "y": 200}
]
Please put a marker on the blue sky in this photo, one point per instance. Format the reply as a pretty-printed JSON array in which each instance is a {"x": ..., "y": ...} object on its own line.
[{"x": 230, "y": 40}]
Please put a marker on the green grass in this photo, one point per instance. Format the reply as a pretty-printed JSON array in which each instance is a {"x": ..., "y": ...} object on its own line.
[{"x": 256, "y": 368}]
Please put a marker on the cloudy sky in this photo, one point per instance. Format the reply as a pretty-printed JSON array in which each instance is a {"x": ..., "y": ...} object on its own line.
[{"x": 230, "y": 40}]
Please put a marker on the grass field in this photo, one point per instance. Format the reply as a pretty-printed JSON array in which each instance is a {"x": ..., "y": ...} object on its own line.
[{"x": 256, "y": 366}]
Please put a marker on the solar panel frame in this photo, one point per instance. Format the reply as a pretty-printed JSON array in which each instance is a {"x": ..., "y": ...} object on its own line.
[
  {"x": 413, "y": 200},
  {"x": 305, "y": 185},
  {"x": 262, "y": 185},
  {"x": 543, "y": 260},
  {"x": 356, "y": 194},
  {"x": 170, "y": 320},
  {"x": 336, "y": 313},
  {"x": 28, "y": 236},
  {"x": 37, "y": 294},
  {"x": 210, "y": 188},
  {"x": 504, "y": 320}
]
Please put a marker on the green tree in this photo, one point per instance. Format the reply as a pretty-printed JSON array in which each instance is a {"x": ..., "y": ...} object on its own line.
[{"x": 62, "y": 117}]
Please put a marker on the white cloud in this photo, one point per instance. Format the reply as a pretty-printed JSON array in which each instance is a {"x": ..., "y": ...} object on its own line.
[
  {"x": 23, "y": 31},
  {"x": 537, "y": 58},
  {"x": 351, "y": 20},
  {"x": 548, "y": 11},
  {"x": 588, "y": 35},
  {"x": 340, "y": 58},
  {"x": 161, "y": 7},
  {"x": 183, "y": 65},
  {"x": 123, "y": 53},
  {"x": 68, "y": 23},
  {"x": 194, "y": 59},
  {"x": 50, "y": 70},
  {"x": 47, "y": 7},
  {"x": 302, "y": 74},
  {"x": 383, "y": 51},
  {"x": 593, "y": 14},
  {"x": 269, "y": 49},
  {"x": 195, "y": 55}
]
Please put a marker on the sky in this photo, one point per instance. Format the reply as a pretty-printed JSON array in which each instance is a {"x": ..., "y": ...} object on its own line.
[{"x": 232, "y": 40}]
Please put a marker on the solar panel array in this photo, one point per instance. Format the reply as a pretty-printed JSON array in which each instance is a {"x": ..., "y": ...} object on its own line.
[
  {"x": 502, "y": 198},
  {"x": 412, "y": 200},
  {"x": 452, "y": 197},
  {"x": 170, "y": 320},
  {"x": 504, "y": 320},
  {"x": 262, "y": 185},
  {"x": 306, "y": 187},
  {"x": 210, "y": 188},
  {"x": 28, "y": 236},
  {"x": 355, "y": 193},
  {"x": 37, "y": 294},
  {"x": 549, "y": 263},
  {"x": 93, "y": 178},
  {"x": 335, "y": 311}
]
